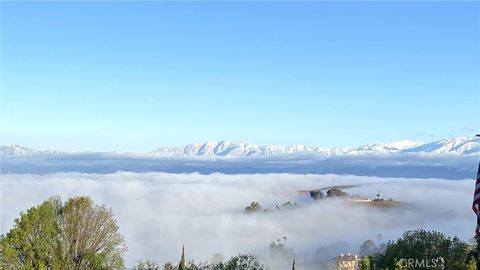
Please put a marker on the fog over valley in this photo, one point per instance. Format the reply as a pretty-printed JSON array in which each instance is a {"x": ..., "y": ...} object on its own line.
[{"x": 159, "y": 212}]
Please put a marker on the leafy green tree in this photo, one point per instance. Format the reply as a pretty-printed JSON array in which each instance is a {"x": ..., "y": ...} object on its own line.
[
  {"x": 199, "y": 266},
  {"x": 77, "y": 235},
  {"x": 316, "y": 194},
  {"x": 425, "y": 245},
  {"x": 240, "y": 262},
  {"x": 243, "y": 262},
  {"x": 475, "y": 250},
  {"x": 216, "y": 266},
  {"x": 146, "y": 265},
  {"x": 336, "y": 192},
  {"x": 365, "y": 264},
  {"x": 168, "y": 266},
  {"x": 33, "y": 242}
]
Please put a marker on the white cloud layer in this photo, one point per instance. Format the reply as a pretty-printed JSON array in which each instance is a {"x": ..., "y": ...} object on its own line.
[{"x": 158, "y": 212}]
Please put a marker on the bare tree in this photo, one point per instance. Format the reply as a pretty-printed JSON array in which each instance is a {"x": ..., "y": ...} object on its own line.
[{"x": 91, "y": 236}]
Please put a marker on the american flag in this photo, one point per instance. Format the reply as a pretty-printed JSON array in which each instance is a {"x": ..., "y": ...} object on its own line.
[{"x": 476, "y": 201}]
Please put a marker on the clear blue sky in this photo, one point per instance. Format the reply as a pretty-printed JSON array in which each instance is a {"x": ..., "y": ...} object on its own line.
[{"x": 134, "y": 76}]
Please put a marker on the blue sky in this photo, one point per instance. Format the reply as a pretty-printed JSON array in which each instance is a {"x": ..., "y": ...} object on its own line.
[{"x": 134, "y": 76}]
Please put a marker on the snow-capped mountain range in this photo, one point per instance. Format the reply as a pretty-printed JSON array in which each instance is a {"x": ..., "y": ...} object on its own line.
[
  {"x": 20, "y": 150},
  {"x": 456, "y": 145}
]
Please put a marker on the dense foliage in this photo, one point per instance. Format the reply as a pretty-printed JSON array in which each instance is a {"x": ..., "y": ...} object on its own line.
[
  {"x": 240, "y": 262},
  {"x": 424, "y": 250},
  {"x": 147, "y": 265},
  {"x": 76, "y": 235}
]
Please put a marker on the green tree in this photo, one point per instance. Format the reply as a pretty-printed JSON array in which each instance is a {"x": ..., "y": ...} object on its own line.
[
  {"x": 243, "y": 262},
  {"x": 316, "y": 194},
  {"x": 475, "y": 250},
  {"x": 77, "y": 235},
  {"x": 336, "y": 192},
  {"x": 146, "y": 265},
  {"x": 240, "y": 262},
  {"x": 168, "y": 266},
  {"x": 199, "y": 266},
  {"x": 421, "y": 245},
  {"x": 33, "y": 242},
  {"x": 365, "y": 264}
]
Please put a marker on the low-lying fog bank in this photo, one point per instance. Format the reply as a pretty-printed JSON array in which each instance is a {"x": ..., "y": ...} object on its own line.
[
  {"x": 159, "y": 212},
  {"x": 419, "y": 165}
]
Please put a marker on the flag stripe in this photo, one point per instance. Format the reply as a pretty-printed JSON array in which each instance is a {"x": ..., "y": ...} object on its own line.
[{"x": 476, "y": 201}]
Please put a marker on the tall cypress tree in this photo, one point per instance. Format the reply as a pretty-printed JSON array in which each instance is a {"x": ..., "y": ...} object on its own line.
[
  {"x": 293, "y": 265},
  {"x": 182, "y": 260}
]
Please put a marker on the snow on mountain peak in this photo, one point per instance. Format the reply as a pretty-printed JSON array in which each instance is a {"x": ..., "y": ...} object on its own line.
[
  {"x": 456, "y": 145},
  {"x": 239, "y": 149},
  {"x": 15, "y": 149},
  {"x": 20, "y": 150}
]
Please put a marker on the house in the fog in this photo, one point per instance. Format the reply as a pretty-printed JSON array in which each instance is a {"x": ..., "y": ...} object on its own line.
[{"x": 345, "y": 262}]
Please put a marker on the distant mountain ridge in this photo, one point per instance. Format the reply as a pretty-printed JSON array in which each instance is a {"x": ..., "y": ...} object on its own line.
[
  {"x": 20, "y": 150},
  {"x": 456, "y": 145}
]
